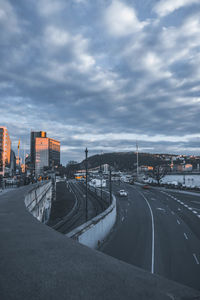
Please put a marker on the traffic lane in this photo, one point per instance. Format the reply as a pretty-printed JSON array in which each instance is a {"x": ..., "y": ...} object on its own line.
[
  {"x": 184, "y": 211},
  {"x": 176, "y": 246},
  {"x": 132, "y": 240},
  {"x": 192, "y": 201},
  {"x": 123, "y": 203},
  {"x": 178, "y": 263},
  {"x": 174, "y": 257}
]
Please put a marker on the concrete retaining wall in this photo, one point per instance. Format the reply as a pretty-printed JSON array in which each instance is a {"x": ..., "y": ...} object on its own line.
[
  {"x": 95, "y": 231},
  {"x": 38, "y": 201}
]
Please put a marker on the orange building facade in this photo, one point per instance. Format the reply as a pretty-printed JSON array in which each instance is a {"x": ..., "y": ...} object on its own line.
[
  {"x": 47, "y": 154},
  {"x": 5, "y": 150}
]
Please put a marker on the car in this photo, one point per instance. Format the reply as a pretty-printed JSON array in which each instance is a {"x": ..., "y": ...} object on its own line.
[
  {"x": 123, "y": 193},
  {"x": 146, "y": 186}
]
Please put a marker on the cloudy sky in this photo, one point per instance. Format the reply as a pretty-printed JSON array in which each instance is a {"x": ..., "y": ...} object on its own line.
[{"x": 102, "y": 74}]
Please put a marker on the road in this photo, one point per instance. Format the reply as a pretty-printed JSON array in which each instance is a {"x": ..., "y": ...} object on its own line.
[{"x": 159, "y": 231}]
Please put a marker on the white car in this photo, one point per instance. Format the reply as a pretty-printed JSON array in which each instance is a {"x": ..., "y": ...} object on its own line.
[{"x": 123, "y": 193}]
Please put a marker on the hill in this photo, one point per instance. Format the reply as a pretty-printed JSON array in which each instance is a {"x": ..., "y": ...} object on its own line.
[{"x": 123, "y": 161}]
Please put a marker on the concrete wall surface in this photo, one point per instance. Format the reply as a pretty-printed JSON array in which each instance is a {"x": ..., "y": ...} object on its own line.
[
  {"x": 95, "y": 231},
  {"x": 38, "y": 201},
  {"x": 38, "y": 263}
]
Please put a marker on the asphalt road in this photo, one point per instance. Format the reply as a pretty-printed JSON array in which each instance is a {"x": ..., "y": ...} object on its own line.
[{"x": 158, "y": 231}]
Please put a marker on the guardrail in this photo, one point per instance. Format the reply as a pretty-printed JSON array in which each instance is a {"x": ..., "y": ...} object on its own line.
[
  {"x": 93, "y": 232},
  {"x": 38, "y": 201}
]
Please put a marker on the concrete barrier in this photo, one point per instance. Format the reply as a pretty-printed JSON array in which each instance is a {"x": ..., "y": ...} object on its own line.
[
  {"x": 95, "y": 231},
  {"x": 38, "y": 201}
]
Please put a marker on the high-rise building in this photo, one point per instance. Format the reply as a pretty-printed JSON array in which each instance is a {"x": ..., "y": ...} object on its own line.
[
  {"x": 47, "y": 154},
  {"x": 54, "y": 153},
  {"x": 5, "y": 150},
  {"x": 34, "y": 135},
  {"x": 41, "y": 154}
]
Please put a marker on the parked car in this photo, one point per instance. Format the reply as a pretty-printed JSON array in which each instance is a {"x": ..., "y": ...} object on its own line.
[{"x": 122, "y": 193}]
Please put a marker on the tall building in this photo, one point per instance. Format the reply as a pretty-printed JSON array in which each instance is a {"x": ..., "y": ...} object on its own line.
[
  {"x": 47, "y": 154},
  {"x": 5, "y": 150},
  {"x": 34, "y": 135},
  {"x": 54, "y": 153},
  {"x": 41, "y": 154}
]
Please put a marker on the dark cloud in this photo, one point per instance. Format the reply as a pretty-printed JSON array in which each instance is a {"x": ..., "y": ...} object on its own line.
[{"x": 68, "y": 68}]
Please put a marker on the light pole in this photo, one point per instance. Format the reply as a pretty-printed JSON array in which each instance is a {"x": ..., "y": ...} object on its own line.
[
  {"x": 137, "y": 159},
  {"x": 101, "y": 173},
  {"x": 110, "y": 180},
  {"x": 86, "y": 183}
]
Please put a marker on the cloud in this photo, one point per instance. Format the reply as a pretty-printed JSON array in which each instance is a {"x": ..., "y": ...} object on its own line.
[
  {"x": 9, "y": 23},
  {"x": 121, "y": 20},
  {"x": 129, "y": 76},
  {"x": 50, "y": 7},
  {"x": 165, "y": 7},
  {"x": 56, "y": 36}
]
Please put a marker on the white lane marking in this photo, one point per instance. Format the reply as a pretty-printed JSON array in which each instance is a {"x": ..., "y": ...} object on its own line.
[
  {"x": 196, "y": 259},
  {"x": 153, "y": 235},
  {"x": 159, "y": 208},
  {"x": 199, "y": 216},
  {"x": 190, "y": 208},
  {"x": 173, "y": 213},
  {"x": 178, "y": 222},
  {"x": 122, "y": 219},
  {"x": 185, "y": 235},
  {"x": 171, "y": 296},
  {"x": 153, "y": 199},
  {"x": 195, "y": 212}
]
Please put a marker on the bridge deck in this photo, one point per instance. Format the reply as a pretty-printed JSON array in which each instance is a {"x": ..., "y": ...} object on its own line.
[{"x": 37, "y": 262}]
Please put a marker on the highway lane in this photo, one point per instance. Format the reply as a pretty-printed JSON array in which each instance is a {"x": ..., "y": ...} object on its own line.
[
  {"x": 157, "y": 233},
  {"x": 131, "y": 238},
  {"x": 177, "y": 246}
]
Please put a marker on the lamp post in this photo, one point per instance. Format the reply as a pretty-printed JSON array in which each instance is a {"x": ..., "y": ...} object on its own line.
[
  {"x": 137, "y": 160},
  {"x": 110, "y": 187},
  {"x": 101, "y": 173},
  {"x": 86, "y": 183}
]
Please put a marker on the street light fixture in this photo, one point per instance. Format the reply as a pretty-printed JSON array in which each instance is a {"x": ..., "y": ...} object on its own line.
[{"x": 86, "y": 184}]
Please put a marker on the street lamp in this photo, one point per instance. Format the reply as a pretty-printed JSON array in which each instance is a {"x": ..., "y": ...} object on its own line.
[
  {"x": 101, "y": 173},
  {"x": 86, "y": 183},
  {"x": 110, "y": 187}
]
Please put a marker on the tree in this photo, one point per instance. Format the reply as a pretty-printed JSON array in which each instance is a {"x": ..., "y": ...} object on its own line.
[{"x": 158, "y": 172}]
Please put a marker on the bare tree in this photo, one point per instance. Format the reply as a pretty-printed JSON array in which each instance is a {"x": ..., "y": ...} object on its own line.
[{"x": 158, "y": 173}]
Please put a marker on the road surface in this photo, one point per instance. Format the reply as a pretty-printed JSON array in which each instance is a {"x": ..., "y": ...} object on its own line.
[{"x": 159, "y": 231}]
